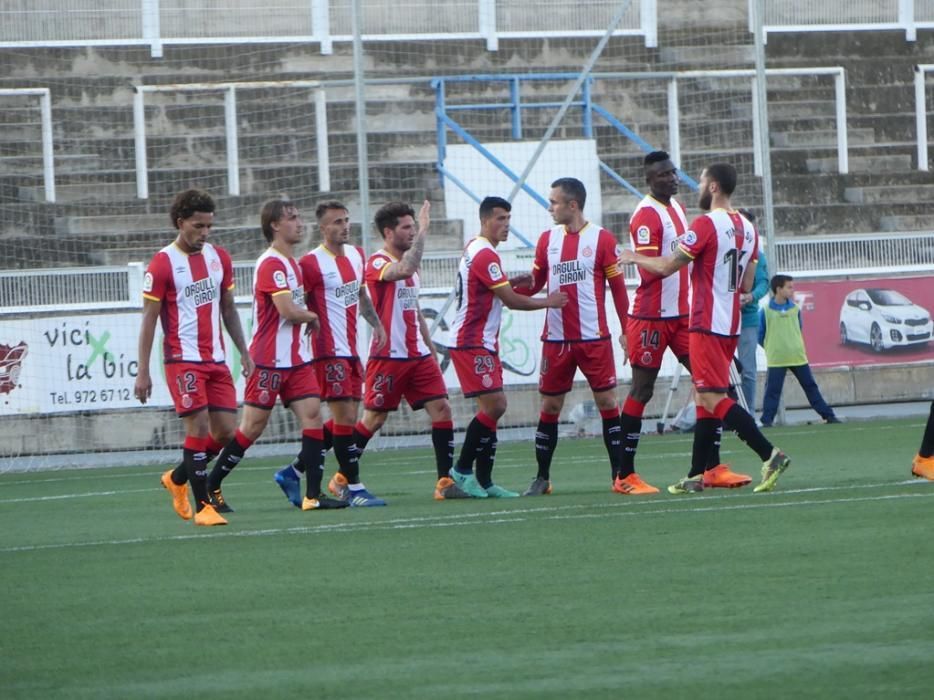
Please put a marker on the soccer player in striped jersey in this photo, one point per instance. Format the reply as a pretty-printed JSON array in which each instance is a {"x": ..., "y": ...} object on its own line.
[
  {"x": 658, "y": 320},
  {"x": 576, "y": 257},
  {"x": 281, "y": 352},
  {"x": 188, "y": 286},
  {"x": 482, "y": 291},
  {"x": 723, "y": 247},
  {"x": 406, "y": 366},
  {"x": 333, "y": 275}
]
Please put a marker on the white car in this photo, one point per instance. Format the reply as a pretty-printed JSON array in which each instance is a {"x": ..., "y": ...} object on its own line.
[{"x": 884, "y": 319}]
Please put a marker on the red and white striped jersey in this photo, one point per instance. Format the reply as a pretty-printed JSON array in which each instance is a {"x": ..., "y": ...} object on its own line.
[
  {"x": 479, "y": 310},
  {"x": 579, "y": 264},
  {"x": 722, "y": 244},
  {"x": 189, "y": 287},
  {"x": 397, "y": 307},
  {"x": 655, "y": 228},
  {"x": 332, "y": 290},
  {"x": 277, "y": 343}
]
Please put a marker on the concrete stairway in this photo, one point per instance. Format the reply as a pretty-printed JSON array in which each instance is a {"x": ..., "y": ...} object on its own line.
[{"x": 98, "y": 218}]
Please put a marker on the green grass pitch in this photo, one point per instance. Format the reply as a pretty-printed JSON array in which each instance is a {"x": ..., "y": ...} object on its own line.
[{"x": 822, "y": 588}]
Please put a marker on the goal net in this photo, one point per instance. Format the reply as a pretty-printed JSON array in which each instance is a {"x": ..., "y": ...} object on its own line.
[{"x": 251, "y": 103}]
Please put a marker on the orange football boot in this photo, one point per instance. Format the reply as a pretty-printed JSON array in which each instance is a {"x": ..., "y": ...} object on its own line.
[
  {"x": 721, "y": 477},
  {"x": 633, "y": 485}
]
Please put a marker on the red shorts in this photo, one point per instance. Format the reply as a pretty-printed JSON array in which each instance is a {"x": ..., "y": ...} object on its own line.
[
  {"x": 479, "y": 371},
  {"x": 711, "y": 356},
  {"x": 195, "y": 386},
  {"x": 561, "y": 360},
  {"x": 339, "y": 378},
  {"x": 290, "y": 383},
  {"x": 646, "y": 340},
  {"x": 419, "y": 380}
]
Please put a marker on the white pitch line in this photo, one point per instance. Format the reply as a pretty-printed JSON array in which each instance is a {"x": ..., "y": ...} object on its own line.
[
  {"x": 66, "y": 496},
  {"x": 463, "y": 519}
]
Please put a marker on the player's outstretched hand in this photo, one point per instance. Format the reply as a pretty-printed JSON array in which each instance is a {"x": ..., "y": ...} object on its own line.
[
  {"x": 142, "y": 389},
  {"x": 424, "y": 217},
  {"x": 380, "y": 337},
  {"x": 556, "y": 300},
  {"x": 626, "y": 257},
  {"x": 523, "y": 279},
  {"x": 247, "y": 364}
]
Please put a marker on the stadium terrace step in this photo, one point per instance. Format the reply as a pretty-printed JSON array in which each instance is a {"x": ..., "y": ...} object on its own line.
[
  {"x": 905, "y": 222},
  {"x": 64, "y": 163},
  {"x": 110, "y": 242},
  {"x": 790, "y": 109},
  {"x": 889, "y": 194},
  {"x": 698, "y": 57},
  {"x": 867, "y": 164},
  {"x": 97, "y": 225},
  {"x": 824, "y": 138}
]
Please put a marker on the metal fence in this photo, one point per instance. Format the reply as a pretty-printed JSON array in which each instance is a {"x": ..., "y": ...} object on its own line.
[
  {"x": 97, "y": 288},
  {"x": 155, "y": 23},
  {"x": 853, "y": 15}
]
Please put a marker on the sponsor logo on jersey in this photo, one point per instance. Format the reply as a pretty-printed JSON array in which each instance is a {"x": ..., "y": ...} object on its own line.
[
  {"x": 643, "y": 235},
  {"x": 379, "y": 263},
  {"x": 569, "y": 272},
  {"x": 495, "y": 272},
  {"x": 348, "y": 293},
  {"x": 201, "y": 292},
  {"x": 408, "y": 297},
  {"x": 688, "y": 239},
  {"x": 147, "y": 282},
  {"x": 278, "y": 278}
]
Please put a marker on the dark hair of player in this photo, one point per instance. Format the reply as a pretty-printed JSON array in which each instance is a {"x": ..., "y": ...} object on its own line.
[
  {"x": 389, "y": 214},
  {"x": 325, "y": 207},
  {"x": 188, "y": 202},
  {"x": 724, "y": 175},
  {"x": 490, "y": 203},
  {"x": 655, "y": 157},
  {"x": 573, "y": 189},
  {"x": 272, "y": 211}
]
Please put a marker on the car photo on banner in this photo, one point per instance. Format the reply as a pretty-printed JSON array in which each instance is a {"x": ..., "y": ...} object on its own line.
[{"x": 883, "y": 319}]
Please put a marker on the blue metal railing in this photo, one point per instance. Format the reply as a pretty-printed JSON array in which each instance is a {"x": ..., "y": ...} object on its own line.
[{"x": 515, "y": 105}]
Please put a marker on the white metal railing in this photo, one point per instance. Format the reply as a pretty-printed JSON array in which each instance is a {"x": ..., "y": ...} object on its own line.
[
  {"x": 921, "y": 113},
  {"x": 231, "y": 130},
  {"x": 878, "y": 253},
  {"x": 46, "y": 23},
  {"x": 116, "y": 287},
  {"x": 45, "y": 110},
  {"x": 854, "y": 15},
  {"x": 839, "y": 77},
  {"x": 84, "y": 288}
]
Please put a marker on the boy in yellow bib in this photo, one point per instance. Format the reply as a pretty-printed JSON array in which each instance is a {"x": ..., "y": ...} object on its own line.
[{"x": 780, "y": 335}]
